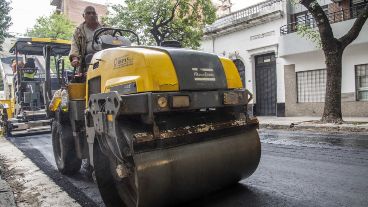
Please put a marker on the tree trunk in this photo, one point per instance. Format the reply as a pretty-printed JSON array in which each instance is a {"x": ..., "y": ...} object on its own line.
[
  {"x": 156, "y": 35},
  {"x": 332, "y": 108},
  {"x": 333, "y": 49}
]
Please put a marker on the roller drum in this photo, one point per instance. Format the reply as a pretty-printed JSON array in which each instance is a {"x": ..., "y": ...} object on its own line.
[{"x": 169, "y": 176}]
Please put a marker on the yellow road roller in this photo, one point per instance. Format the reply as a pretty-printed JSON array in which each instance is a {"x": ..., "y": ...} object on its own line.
[{"x": 160, "y": 125}]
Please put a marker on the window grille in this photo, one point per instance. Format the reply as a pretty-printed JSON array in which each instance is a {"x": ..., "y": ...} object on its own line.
[
  {"x": 311, "y": 85},
  {"x": 361, "y": 80}
]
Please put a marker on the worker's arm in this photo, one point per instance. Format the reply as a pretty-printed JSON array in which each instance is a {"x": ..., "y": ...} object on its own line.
[{"x": 74, "y": 55}]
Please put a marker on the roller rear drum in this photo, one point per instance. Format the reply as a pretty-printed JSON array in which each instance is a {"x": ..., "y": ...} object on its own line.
[{"x": 173, "y": 175}]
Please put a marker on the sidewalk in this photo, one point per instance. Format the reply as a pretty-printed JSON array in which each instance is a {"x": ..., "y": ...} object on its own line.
[
  {"x": 30, "y": 185},
  {"x": 6, "y": 193},
  {"x": 352, "y": 124}
]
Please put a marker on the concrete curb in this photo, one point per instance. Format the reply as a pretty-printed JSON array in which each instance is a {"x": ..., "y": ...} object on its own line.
[{"x": 316, "y": 127}]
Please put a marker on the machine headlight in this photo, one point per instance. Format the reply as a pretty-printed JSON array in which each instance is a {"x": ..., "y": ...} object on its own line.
[
  {"x": 180, "y": 101},
  {"x": 232, "y": 98},
  {"x": 162, "y": 102}
]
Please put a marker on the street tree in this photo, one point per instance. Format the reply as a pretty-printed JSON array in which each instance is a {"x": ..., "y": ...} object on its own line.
[
  {"x": 53, "y": 26},
  {"x": 159, "y": 20},
  {"x": 5, "y": 20},
  {"x": 333, "y": 49}
]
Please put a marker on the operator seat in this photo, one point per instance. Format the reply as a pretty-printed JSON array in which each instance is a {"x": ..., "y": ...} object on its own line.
[
  {"x": 109, "y": 41},
  {"x": 105, "y": 42}
]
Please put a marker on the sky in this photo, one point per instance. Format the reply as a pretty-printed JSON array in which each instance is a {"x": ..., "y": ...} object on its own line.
[{"x": 25, "y": 12}]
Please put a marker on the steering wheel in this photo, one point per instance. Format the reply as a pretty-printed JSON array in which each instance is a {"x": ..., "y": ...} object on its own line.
[{"x": 113, "y": 31}]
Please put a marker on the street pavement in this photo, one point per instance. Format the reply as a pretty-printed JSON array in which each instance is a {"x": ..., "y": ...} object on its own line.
[
  {"x": 303, "y": 169},
  {"x": 296, "y": 169}
]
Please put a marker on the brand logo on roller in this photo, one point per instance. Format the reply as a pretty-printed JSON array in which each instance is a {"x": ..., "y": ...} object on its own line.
[
  {"x": 203, "y": 74},
  {"x": 123, "y": 61}
]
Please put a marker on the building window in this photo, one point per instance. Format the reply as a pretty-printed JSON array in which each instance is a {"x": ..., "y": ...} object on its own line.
[
  {"x": 361, "y": 80},
  {"x": 311, "y": 85}
]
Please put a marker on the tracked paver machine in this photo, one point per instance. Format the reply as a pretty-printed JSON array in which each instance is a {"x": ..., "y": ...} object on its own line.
[
  {"x": 159, "y": 125},
  {"x": 31, "y": 88}
]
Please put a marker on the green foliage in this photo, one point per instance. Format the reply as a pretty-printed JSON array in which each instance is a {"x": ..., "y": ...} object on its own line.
[
  {"x": 309, "y": 33},
  {"x": 67, "y": 64},
  {"x": 157, "y": 20},
  {"x": 54, "y": 26},
  {"x": 5, "y": 20}
]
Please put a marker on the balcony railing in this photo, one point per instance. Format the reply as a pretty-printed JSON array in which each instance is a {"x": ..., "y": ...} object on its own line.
[
  {"x": 308, "y": 20},
  {"x": 242, "y": 15}
]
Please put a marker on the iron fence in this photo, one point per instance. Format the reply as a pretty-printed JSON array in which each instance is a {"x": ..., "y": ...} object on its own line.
[{"x": 308, "y": 20}]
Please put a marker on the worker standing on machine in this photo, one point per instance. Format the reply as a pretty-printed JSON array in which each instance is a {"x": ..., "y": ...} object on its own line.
[
  {"x": 83, "y": 37},
  {"x": 29, "y": 75},
  {"x": 81, "y": 46}
]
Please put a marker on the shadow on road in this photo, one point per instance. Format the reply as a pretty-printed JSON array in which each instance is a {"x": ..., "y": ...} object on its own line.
[{"x": 242, "y": 195}]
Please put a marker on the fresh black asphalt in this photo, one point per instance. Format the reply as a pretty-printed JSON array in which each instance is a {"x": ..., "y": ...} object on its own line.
[{"x": 296, "y": 169}]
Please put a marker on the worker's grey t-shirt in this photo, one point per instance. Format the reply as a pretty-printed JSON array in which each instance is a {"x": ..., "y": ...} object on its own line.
[{"x": 89, "y": 38}]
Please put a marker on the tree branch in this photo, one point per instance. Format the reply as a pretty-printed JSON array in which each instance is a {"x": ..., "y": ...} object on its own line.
[
  {"x": 157, "y": 17},
  {"x": 324, "y": 27},
  {"x": 165, "y": 32},
  {"x": 354, "y": 31},
  {"x": 172, "y": 15},
  {"x": 56, "y": 35},
  {"x": 156, "y": 35}
]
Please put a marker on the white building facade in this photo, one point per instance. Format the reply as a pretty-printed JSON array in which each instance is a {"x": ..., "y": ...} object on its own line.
[{"x": 286, "y": 72}]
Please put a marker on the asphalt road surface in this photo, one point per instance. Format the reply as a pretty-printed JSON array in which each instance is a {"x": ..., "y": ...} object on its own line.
[{"x": 296, "y": 169}]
